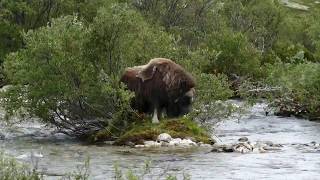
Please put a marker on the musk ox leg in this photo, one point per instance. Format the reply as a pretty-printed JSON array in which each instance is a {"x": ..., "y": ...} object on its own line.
[{"x": 155, "y": 116}]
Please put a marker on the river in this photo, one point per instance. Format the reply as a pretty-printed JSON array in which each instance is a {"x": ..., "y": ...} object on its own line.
[{"x": 294, "y": 160}]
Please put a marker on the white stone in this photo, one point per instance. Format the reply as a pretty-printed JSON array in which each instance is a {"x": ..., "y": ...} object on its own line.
[
  {"x": 60, "y": 136},
  {"x": 164, "y": 137},
  {"x": 256, "y": 150},
  {"x": 5, "y": 88},
  {"x": 206, "y": 145},
  {"x": 172, "y": 143},
  {"x": 187, "y": 142},
  {"x": 243, "y": 147},
  {"x": 139, "y": 146},
  {"x": 164, "y": 144},
  {"x": 152, "y": 144},
  {"x": 175, "y": 142}
]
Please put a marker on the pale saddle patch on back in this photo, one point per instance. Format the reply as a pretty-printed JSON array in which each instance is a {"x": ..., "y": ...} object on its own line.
[{"x": 147, "y": 71}]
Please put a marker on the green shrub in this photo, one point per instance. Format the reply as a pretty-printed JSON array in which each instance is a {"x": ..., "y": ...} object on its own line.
[
  {"x": 313, "y": 33},
  {"x": 68, "y": 73},
  {"x": 299, "y": 86},
  {"x": 53, "y": 80},
  {"x": 236, "y": 55},
  {"x": 120, "y": 37}
]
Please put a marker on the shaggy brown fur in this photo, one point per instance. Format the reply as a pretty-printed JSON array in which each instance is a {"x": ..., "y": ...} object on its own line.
[{"x": 159, "y": 84}]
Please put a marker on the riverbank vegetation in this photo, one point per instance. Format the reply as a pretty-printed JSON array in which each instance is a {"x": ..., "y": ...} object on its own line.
[
  {"x": 63, "y": 58},
  {"x": 13, "y": 169}
]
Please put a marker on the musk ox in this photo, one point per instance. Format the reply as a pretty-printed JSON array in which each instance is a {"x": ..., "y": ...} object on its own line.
[{"x": 160, "y": 86}]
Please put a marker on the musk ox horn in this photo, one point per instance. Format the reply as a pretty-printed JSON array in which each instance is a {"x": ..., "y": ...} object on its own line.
[{"x": 160, "y": 85}]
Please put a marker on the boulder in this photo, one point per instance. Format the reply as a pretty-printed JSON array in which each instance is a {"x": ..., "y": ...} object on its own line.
[
  {"x": 243, "y": 147},
  {"x": 222, "y": 148},
  {"x": 165, "y": 140},
  {"x": 175, "y": 142},
  {"x": 243, "y": 139},
  {"x": 164, "y": 137},
  {"x": 139, "y": 146},
  {"x": 152, "y": 144},
  {"x": 187, "y": 142},
  {"x": 201, "y": 144}
]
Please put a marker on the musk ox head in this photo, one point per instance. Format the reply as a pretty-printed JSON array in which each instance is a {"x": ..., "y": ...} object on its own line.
[
  {"x": 182, "y": 105},
  {"x": 160, "y": 85}
]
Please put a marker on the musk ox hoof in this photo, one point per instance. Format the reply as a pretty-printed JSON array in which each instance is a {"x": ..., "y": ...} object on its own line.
[{"x": 155, "y": 120}]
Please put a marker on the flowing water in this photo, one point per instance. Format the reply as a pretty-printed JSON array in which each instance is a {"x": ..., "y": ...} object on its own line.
[{"x": 294, "y": 160}]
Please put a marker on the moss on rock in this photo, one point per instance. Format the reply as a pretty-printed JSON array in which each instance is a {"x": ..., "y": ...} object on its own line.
[{"x": 177, "y": 128}]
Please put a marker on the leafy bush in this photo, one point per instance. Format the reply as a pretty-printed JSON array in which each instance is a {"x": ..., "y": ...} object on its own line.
[
  {"x": 299, "y": 87},
  {"x": 55, "y": 82},
  {"x": 120, "y": 38},
  {"x": 313, "y": 33},
  {"x": 17, "y": 16},
  {"x": 211, "y": 91},
  {"x": 68, "y": 74},
  {"x": 236, "y": 55}
]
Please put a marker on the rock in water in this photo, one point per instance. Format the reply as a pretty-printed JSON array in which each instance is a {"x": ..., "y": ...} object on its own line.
[
  {"x": 152, "y": 144},
  {"x": 227, "y": 149},
  {"x": 222, "y": 148},
  {"x": 2, "y": 137},
  {"x": 212, "y": 141},
  {"x": 130, "y": 144},
  {"x": 175, "y": 142},
  {"x": 139, "y": 146},
  {"x": 187, "y": 142},
  {"x": 164, "y": 137},
  {"x": 243, "y": 139},
  {"x": 165, "y": 140},
  {"x": 243, "y": 147},
  {"x": 201, "y": 144}
]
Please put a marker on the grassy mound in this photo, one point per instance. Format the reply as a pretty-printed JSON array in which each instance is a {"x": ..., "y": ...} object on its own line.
[{"x": 177, "y": 128}]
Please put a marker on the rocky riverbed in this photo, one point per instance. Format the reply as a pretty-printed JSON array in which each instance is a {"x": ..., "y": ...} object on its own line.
[{"x": 255, "y": 146}]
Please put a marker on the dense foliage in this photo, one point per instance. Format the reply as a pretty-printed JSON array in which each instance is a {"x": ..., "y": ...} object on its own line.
[
  {"x": 63, "y": 58},
  {"x": 53, "y": 80},
  {"x": 299, "y": 88}
]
